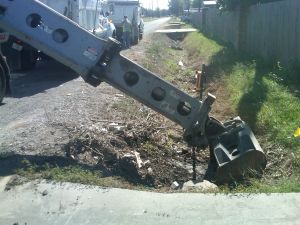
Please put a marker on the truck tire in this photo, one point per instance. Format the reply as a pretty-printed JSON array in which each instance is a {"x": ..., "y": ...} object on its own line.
[
  {"x": 6, "y": 70},
  {"x": 2, "y": 83},
  {"x": 28, "y": 59}
]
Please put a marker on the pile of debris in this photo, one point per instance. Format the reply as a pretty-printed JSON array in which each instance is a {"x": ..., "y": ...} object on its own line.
[{"x": 141, "y": 153}]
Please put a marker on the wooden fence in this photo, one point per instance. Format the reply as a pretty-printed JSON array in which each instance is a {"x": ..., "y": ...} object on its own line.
[{"x": 271, "y": 30}]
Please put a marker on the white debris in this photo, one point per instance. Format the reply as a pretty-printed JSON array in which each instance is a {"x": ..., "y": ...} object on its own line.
[
  {"x": 112, "y": 125},
  {"x": 175, "y": 185},
  {"x": 115, "y": 127},
  {"x": 119, "y": 95},
  {"x": 150, "y": 171},
  {"x": 138, "y": 159},
  {"x": 188, "y": 186},
  {"x": 180, "y": 63},
  {"x": 147, "y": 162},
  {"x": 204, "y": 186},
  {"x": 104, "y": 130}
]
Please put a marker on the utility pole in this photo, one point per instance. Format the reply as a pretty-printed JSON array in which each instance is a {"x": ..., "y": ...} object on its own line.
[
  {"x": 158, "y": 11},
  {"x": 152, "y": 8},
  {"x": 200, "y": 5}
]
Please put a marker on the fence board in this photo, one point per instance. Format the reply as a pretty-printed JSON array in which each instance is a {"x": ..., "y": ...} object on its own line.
[{"x": 271, "y": 30}]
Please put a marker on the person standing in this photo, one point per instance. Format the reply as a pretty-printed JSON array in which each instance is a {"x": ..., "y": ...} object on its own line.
[{"x": 126, "y": 25}]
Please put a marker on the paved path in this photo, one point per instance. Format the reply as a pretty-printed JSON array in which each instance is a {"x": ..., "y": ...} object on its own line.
[
  {"x": 69, "y": 204},
  {"x": 153, "y": 25}
]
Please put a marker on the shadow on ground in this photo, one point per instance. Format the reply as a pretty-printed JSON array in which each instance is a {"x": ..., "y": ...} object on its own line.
[
  {"x": 223, "y": 63},
  {"x": 252, "y": 101},
  {"x": 9, "y": 165},
  {"x": 47, "y": 74}
]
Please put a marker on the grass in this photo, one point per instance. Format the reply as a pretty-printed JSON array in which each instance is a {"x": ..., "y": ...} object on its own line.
[
  {"x": 262, "y": 98},
  {"x": 73, "y": 174},
  {"x": 257, "y": 186},
  {"x": 164, "y": 60},
  {"x": 201, "y": 48},
  {"x": 266, "y": 96}
]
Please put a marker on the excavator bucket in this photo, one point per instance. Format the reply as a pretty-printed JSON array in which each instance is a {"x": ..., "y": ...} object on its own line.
[{"x": 238, "y": 154}]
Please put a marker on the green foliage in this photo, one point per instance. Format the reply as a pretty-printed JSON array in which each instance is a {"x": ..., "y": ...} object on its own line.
[
  {"x": 73, "y": 174},
  {"x": 187, "y": 4},
  {"x": 176, "y": 7},
  {"x": 197, "y": 3},
  {"x": 205, "y": 50},
  {"x": 266, "y": 97},
  {"x": 154, "y": 13},
  {"x": 267, "y": 186},
  {"x": 232, "y": 4},
  {"x": 262, "y": 94}
]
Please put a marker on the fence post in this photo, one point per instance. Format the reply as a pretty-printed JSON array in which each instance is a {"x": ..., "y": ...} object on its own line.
[
  {"x": 203, "y": 19},
  {"x": 242, "y": 27}
]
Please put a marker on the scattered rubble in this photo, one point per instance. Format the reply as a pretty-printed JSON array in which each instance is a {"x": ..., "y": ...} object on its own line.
[
  {"x": 176, "y": 45},
  {"x": 115, "y": 127},
  {"x": 188, "y": 186},
  {"x": 138, "y": 159},
  {"x": 180, "y": 63},
  {"x": 140, "y": 152},
  {"x": 44, "y": 193},
  {"x": 175, "y": 185},
  {"x": 150, "y": 171},
  {"x": 204, "y": 186}
]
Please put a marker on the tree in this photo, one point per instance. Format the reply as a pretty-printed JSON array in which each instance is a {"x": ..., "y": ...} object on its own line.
[
  {"x": 176, "y": 7},
  {"x": 187, "y": 5},
  {"x": 197, "y": 4},
  {"x": 232, "y": 4}
]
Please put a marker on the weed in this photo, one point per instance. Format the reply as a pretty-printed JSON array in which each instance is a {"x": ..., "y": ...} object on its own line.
[{"x": 73, "y": 174}]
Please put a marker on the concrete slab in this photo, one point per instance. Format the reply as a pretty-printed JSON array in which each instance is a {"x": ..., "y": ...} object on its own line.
[
  {"x": 170, "y": 31},
  {"x": 3, "y": 182},
  {"x": 45, "y": 203},
  {"x": 176, "y": 23}
]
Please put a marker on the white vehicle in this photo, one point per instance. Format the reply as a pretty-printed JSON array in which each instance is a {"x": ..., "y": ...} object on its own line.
[
  {"x": 117, "y": 9},
  {"x": 86, "y": 13}
]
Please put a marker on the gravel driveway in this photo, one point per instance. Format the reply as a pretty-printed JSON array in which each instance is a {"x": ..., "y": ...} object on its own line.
[{"x": 46, "y": 103}]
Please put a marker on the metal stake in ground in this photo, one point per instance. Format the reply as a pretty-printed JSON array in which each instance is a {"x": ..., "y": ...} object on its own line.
[
  {"x": 194, "y": 162},
  {"x": 202, "y": 80}
]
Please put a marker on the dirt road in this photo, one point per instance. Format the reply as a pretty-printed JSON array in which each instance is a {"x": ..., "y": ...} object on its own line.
[{"x": 44, "y": 104}]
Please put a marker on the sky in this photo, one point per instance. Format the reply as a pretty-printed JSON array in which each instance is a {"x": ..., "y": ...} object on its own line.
[{"x": 162, "y": 4}]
